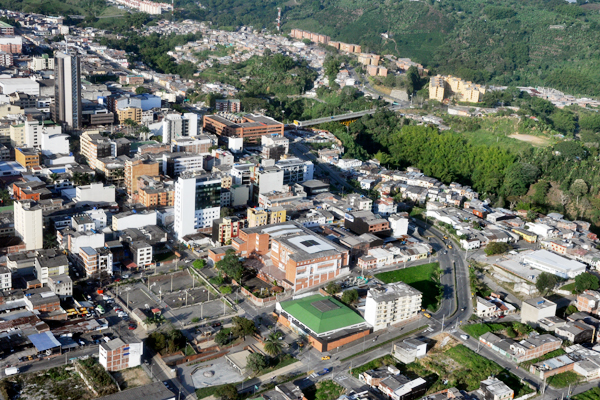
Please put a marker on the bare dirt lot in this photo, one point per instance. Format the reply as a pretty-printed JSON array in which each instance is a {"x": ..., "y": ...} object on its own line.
[
  {"x": 132, "y": 377},
  {"x": 534, "y": 140}
]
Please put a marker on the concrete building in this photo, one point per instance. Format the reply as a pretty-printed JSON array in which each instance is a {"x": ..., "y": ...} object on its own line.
[
  {"x": 533, "y": 310},
  {"x": 116, "y": 355},
  {"x": 197, "y": 203},
  {"x": 361, "y": 222},
  {"x": 576, "y": 332},
  {"x": 589, "y": 301},
  {"x": 132, "y": 113},
  {"x": 42, "y": 63},
  {"x": 495, "y": 389},
  {"x": 96, "y": 261},
  {"x": 305, "y": 259},
  {"x": 95, "y": 193},
  {"x": 27, "y": 157},
  {"x": 441, "y": 87},
  {"x": 326, "y": 322},
  {"x": 409, "y": 350},
  {"x": 50, "y": 263},
  {"x": 391, "y": 304},
  {"x": 61, "y": 285},
  {"x": 295, "y": 170},
  {"x": 29, "y": 224},
  {"x": 5, "y": 278},
  {"x": 141, "y": 253},
  {"x": 175, "y": 164},
  {"x": 133, "y": 219},
  {"x": 533, "y": 347},
  {"x": 136, "y": 167},
  {"x": 67, "y": 90},
  {"x": 175, "y": 126},
  {"x": 398, "y": 224},
  {"x": 225, "y": 229},
  {"x": 193, "y": 144},
  {"x": 228, "y": 105},
  {"x": 554, "y": 264},
  {"x": 23, "y": 85}
]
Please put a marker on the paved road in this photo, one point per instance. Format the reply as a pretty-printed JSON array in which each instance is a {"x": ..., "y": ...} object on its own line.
[{"x": 344, "y": 117}]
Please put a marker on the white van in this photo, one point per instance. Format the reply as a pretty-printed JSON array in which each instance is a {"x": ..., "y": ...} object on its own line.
[{"x": 11, "y": 371}]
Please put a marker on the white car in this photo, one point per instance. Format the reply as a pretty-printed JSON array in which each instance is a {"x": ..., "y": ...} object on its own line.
[{"x": 464, "y": 337}]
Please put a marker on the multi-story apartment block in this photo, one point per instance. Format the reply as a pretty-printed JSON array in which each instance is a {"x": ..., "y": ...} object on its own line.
[
  {"x": 5, "y": 278},
  {"x": 441, "y": 87},
  {"x": 155, "y": 193},
  {"x": 196, "y": 145},
  {"x": 228, "y": 105},
  {"x": 259, "y": 216},
  {"x": 175, "y": 164},
  {"x": 50, "y": 263},
  {"x": 61, "y": 285},
  {"x": 315, "y": 37},
  {"x": 197, "y": 203},
  {"x": 6, "y": 29},
  {"x": 27, "y": 157},
  {"x": 225, "y": 229},
  {"x": 29, "y": 224},
  {"x": 94, "y": 146},
  {"x": 141, "y": 253},
  {"x": 96, "y": 261},
  {"x": 176, "y": 126},
  {"x": 132, "y": 113},
  {"x": 116, "y": 355},
  {"x": 361, "y": 222},
  {"x": 390, "y": 304},
  {"x": 249, "y": 127},
  {"x": 133, "y": 219},
  {"x": 295, "y": 170},
  {"x": 137, "y": 167},
  {"x": 306, "y": 259}
]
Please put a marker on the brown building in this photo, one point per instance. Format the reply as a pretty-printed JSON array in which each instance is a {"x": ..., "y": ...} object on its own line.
[
  {"x": 152, "y": 192},
  {"x": 116, "y": 355},
  {"x": 27, "y": 157},
  {"x": 314, "y": 37},
  {"x": 136, "y": 167},
  {"x": 6, "y": 29},
  {"x": 306, "y": 259},
  {"x": 31, "y": 191},
  {"x": 361, "y": 222},
  {"x": 249, "y": 127}
]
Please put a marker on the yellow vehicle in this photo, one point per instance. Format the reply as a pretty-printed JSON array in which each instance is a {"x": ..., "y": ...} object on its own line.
[
  {"x": 300, "y": 344},
  {"x": 445, "y": 237},
  {"x": 325, "y": 358},
  {"x": 422, "y": 309},
  {"x": 427, "y": 315},
  {"x": 449, "y": 246}
]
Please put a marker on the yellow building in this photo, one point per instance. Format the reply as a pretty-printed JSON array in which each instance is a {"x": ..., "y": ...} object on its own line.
[
  {"x": 260, "y": 217},
  {"x": 17, "y": 135},
  {"x": 226, "y": 182},
  {"x": 441, "y": 87},
  {"x": 27, "y": 158},
  {"x": 132, "y": 113}
]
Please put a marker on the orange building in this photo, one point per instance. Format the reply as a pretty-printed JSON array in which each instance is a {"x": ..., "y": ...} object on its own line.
[
  {"x": 137, "y": 167},
  {"x": 31, "y": 191},
  {"x": 249, "y": 127},
  {"x": 27, "y": 157},
  {"x": 153, "y": 192}
]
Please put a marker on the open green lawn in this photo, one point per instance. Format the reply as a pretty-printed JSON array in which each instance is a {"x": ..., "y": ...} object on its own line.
[
  {"x": 423, "y": 278},
  {"x": 564, "y": 379},
  {"x": 165, "y": 256},
  {"x": 570, "y": 287},
  {"x": 113, "y": 12},
  {"x": 477, "y": 330},
  {"x": 592, "y": 394}
]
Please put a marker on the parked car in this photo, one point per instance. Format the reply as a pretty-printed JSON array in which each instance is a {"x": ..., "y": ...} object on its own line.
[
  {"x": 132, "y": 327},
  {"x": 216, "y": 324}
]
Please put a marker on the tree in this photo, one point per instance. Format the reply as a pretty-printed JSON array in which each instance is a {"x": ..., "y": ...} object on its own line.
[
  {"x": 227, "y": 392},
  {"x": 226, "y": 212},
  {"x": 496, "y": 248},
  {"x": 546, "y": 282},
  {"x": 333, "y": 288},
  {"x": 586, "y": 281},
  {"x": 243, "y": 326},
  {"x": 256, "y": 362},
  {"x": 231, "y": 266},
  {"x": 141, "y": 90},
  {"x": 328, "y": 390},
  {"x": 273, "y": 345},
  {"x": 222, "y": 338},
  {"x": 578, "y": 188},
  {"x": 199, "y": 263},
  {"x": 350, "y": 296}
]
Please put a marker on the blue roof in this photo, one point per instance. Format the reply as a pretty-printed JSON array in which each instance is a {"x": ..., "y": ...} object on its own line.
[{"x": 44, "y": 341}]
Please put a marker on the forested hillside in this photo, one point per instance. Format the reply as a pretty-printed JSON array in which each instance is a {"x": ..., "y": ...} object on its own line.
[{"x": 537, "y": 42}]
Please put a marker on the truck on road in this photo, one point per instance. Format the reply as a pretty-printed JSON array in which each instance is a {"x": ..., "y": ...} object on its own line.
[{"x": 11, "y": 371}]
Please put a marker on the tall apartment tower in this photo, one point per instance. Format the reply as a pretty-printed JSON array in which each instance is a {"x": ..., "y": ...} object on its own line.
[
  {"x": 29, "y": 224},
  {"x": 197, "y": 202},
  {"x": 67, "y": 90}
]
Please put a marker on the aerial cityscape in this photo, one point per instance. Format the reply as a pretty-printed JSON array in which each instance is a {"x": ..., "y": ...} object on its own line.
[{"x": 305, "y": 200}]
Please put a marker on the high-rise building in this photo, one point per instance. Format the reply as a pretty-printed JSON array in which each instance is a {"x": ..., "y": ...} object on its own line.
[
  {"x": 29, "y": 224},
  {"x": 67, "y": 90},
  {"x": 197, "y": 202},
  {"x": 176, "y": 126}
]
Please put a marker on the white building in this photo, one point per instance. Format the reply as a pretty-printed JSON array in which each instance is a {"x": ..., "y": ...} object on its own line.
[
  {"x": 398, "y": 224},
  {"x": 133, "y": 219},
  {"x": 533, "y": 310},
  {"x": 295, "y": 170},
  {"x": 35, "y": 132},
  {"x": 55, "y": 143},
  {"x": 554, "y": 264},
  {"x": 197, "y": 203},
  {"x": 384, "y": 206},
  {"x": 269, "y": 180},
  {"x": 5, "y": 279},
  {"x": 390, "y": 304},
  {"x": 29, "y": 224},
  {"x": 41, "y": 63},
  {"x": 541, "y": 230},
  {"x": 95, "y": 193},
  {"x": 174, "y": 164},
  {"x": 348, "y": 164},
  {"x": 142, "y": 253},
  {"x": 23, "y": 85},
  {"x": 176, "y": 126}
]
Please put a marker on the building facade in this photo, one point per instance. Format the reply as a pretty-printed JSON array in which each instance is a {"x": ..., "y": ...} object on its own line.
[
  {"x": 197, "y": 203},
  {"x": 67, "y": 90}
]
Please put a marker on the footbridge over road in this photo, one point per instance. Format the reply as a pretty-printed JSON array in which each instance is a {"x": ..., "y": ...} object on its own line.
[{"x": 345, "y": 119}]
